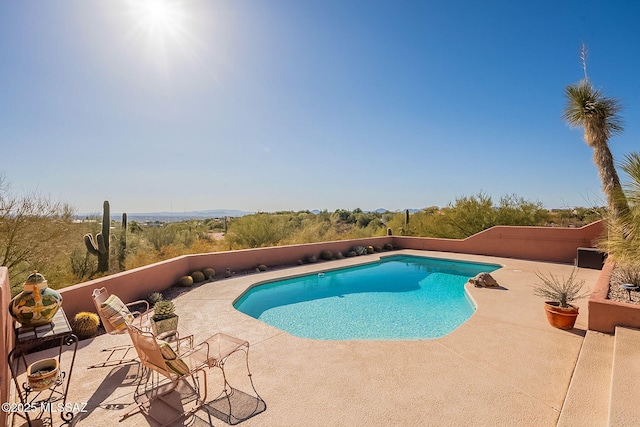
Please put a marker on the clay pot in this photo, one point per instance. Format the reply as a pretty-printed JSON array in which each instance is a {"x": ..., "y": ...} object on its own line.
[
  {"x": 560, "y": 317},
  {"x": 36, "y": 304},
  {"x": 42, "y": 374}
]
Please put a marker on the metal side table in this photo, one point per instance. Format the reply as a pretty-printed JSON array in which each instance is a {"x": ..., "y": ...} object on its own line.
[{"x": 34, "y": 404}]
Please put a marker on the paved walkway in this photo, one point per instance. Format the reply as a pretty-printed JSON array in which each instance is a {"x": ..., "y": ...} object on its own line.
[{"x": 504, "y": 367}]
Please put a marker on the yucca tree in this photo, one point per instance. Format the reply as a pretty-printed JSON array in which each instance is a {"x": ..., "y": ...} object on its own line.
[
  {"x": 623, "y": 237},
  {"x": 598, "y": 115}
]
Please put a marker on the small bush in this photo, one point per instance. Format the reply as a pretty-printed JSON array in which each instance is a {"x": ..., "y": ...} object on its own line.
[
  {"x": 326, "y": 255},
  {"x": 163, "y": 309},
  {"x": 627, "y": 274},
  {"x": 85, "y": 324},
  {"x": 339, "y": 255},
  {"x": 209, "y": 273},
  {"x": 359, "y": 250},
  {"x": 377, "y": 248},
  {"x": 351, "y": 254},
  {"x": 185, "y": 281},
  {"x": 387, "y": 247},
  {"x": 311, "y": 259},
  {"x": 262, "y": 267},
  {"x": 198, "y": 276},
  {"x": 155, "y": 297}
]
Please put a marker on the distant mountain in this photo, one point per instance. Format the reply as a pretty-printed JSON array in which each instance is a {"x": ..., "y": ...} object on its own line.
[
  {"x": 383, "y": 210},
  {"x": 182, "y": 216},
  {"x": 171, "y": 216}
]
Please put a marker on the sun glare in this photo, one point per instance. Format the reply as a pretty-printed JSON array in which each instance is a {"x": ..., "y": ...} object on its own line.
[
  {"x": 158, "y": 16},
  {"x": 161, "y": 22}
]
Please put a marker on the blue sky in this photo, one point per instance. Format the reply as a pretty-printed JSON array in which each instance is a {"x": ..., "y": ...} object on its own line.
[{"x": 288, "y": 104}]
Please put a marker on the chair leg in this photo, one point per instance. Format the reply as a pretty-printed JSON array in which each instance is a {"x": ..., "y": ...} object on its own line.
[
  {"x": 228, "y": 390},
  {"x": 143, "y": 389}
]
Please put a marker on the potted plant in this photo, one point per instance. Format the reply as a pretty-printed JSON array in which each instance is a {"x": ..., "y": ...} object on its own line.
[
  {"x": 559, "y": 293},
  {"x": 164, "y": 319},
  {"x": 43, "y": 374}
]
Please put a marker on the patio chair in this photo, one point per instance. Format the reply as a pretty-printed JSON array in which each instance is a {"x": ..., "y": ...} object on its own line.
[
  {"x": 168, "y": 372},
  {"x": 114, "y": 315}
]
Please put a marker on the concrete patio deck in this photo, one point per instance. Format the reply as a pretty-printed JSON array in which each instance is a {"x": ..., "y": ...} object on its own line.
[{"x": 504, "y": 367}]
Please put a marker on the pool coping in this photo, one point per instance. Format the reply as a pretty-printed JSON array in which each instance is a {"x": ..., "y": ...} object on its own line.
[{"x": 383, "y": 257}]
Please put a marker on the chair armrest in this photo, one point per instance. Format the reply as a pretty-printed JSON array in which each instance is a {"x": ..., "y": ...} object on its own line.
[
  {"x": 145, "y": 302},
  {"x": 178, "y": 341}
]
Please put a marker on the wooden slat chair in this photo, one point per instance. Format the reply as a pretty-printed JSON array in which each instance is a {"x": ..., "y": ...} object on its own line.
[{"x": 114, "y": 314}]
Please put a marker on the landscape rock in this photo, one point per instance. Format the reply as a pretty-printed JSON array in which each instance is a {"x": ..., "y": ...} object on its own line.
[{"x": 484, "y": 280}]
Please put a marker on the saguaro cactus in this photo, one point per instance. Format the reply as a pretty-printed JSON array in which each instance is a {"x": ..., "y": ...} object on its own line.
[
  {"x": 100, "y": 245},
  {"x": 406, "y": 217},
  {"x": 122, "y": 255}
]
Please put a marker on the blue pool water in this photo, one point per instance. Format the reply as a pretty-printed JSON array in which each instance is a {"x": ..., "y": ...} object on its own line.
[{"x": 399, "y": 297}]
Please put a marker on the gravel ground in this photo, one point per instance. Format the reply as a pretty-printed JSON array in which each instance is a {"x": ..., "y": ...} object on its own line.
[{"x": 616, "y": 293}]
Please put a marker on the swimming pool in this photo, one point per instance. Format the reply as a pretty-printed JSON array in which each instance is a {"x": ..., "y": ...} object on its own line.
[{"x": 398, "y": 297}]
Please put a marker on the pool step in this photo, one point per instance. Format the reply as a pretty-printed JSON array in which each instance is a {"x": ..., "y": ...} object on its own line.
[
  {"x": 587, "y": 400},
  {"x": 625, "y": 379}
]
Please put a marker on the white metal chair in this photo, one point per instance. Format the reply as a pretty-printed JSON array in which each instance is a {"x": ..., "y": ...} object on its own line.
[
  {"x": 167, "y": 370},
  {"x": 114, "y": 314}
]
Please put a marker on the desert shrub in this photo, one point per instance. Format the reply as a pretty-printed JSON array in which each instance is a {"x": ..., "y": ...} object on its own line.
[
  {"x": 626, "y": 274},
  {"x": 155, "y": 297},
  {"x": 622, "y": 240},
  {"x": 83, "y": 264},
  {"x": 359, "y": 250},
  {"x": 326, "y": 255},
  {"x": 259, "y": 230}
]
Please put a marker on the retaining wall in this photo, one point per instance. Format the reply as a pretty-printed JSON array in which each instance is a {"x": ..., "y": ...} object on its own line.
[
  {"x": 533, "y": 243},
  {"x": 604, "y": 314}
]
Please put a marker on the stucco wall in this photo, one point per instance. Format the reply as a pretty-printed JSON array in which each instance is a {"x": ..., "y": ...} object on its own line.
[
  {"x": 532, "y": 243},
  {"x": 7, "y": 339},
  {"x": 139, "y": 283}
]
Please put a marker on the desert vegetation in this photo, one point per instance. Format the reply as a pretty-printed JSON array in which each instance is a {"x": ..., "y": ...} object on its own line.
[{"x": 39, "y": 234}]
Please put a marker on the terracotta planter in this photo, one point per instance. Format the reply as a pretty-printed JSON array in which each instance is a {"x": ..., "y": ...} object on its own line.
[
  {"x": 42, "y": 374},
  {"x": 559, "y": 317}
]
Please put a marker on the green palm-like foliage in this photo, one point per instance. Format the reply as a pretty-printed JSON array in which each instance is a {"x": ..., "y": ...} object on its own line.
[
  {"x": 598, "y": 115},
  {"x": 623, "y": 232},
  {"x": 560, "y": 290}
]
